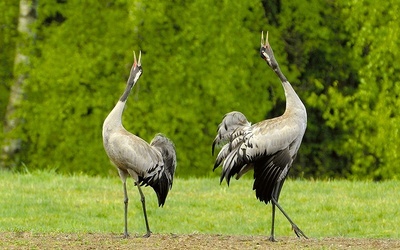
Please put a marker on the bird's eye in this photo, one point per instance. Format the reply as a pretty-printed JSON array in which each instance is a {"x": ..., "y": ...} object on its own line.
[{"x": 264, "y": 53}]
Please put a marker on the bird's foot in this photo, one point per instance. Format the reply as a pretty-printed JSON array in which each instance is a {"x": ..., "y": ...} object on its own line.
[
  {"x": 272, "y": 238},
  {"x": 147, "y": 235},
  {"x": 298, "y": 232},
  {"x": 125, "y": 236}
]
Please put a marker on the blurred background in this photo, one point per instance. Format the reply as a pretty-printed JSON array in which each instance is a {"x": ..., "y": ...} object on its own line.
[{"x": 64, "y": 65}]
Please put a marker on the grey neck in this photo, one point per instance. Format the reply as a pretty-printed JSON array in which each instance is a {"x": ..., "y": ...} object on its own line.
[
  {"x": 128, "y": 89},
  {"x": 278, "y": 71}
]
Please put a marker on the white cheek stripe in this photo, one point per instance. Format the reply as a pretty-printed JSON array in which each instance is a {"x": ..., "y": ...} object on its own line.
[{"x": 137, "y": 77}]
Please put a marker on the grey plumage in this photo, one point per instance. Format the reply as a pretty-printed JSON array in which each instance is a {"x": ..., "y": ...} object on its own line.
[
  {"x": 151, "y": 164},
  {"x": 268, "y": 147},
  {"x": 163, "y": 180}
]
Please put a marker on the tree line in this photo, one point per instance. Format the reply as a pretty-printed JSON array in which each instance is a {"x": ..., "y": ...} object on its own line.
[{"x": 200, "y": 61}]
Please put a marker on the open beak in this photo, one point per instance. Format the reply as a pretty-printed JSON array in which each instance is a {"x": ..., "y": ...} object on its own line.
[
  {"x": 137, "y": 62},
  {"x": 264, "y": 43}
]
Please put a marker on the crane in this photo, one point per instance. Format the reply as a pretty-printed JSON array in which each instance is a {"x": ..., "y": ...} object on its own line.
[
  {"x": 151, "y": 164},
  {"x": 268, "y": 147}
]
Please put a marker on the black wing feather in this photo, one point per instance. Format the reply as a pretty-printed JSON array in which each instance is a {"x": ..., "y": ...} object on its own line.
[{"x": 267, "y": 171}]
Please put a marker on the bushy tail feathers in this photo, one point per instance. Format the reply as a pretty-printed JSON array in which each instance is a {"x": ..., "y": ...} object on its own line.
[
  {"x": 233, "y": 125},
  {"x": 230, "y": 136},
  {"x": 167, "y": 149}
]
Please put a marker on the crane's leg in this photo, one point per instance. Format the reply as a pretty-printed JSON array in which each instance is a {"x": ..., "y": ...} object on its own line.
[
  {"x": 142, "y": 199},
  {"x": 272, "y": 237},
  {"x": 275, "y": 194},
  {"x": 126, "y": 235},
  {"x": 295, "y": 228},
  {"x": 274, "y": 200}
]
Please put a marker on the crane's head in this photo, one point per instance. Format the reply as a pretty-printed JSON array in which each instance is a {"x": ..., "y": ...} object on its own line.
[
  {"x": 136, "y": 70},
  {"x": 266, "y": 52}
]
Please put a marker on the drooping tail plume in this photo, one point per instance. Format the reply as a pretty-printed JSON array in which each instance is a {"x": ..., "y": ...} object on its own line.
[{"x": 166, "y": 178}]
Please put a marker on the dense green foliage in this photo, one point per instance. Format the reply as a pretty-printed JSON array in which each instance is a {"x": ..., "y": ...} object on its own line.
[
  {"x": 366, "y": 116},
  {"x": 200, "y": 61},
  {"x": 44, "y": 202},
  {"x": 8, "y": 35}
]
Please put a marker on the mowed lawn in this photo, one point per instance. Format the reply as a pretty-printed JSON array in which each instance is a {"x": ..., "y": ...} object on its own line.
[{"x": 45, "y": 202}]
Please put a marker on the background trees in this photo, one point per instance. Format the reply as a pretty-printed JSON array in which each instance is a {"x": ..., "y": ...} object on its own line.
[
  {"x": 200, "y": 61},
  {"x": 367, "y": 115}
]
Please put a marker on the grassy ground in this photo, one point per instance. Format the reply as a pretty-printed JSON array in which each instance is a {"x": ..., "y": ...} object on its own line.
[{"x": 47, "y": 203}]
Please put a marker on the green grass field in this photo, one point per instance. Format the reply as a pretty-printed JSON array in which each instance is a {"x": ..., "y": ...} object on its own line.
[{"x": 44, "y": 202}]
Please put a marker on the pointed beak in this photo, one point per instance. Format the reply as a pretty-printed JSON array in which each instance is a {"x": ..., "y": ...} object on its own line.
[
  {"x": 262, "y": 38},
  {"x": 264, "y": 43},
  {"x": 134, "y": 59},
  {"x": 137, "y": 62}
]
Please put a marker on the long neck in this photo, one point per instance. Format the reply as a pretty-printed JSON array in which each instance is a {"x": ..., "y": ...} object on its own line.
[
  {"x": 114, "y": 119},
  {"x": 292, "y": 99},
  {"x": 128, "y": 89}
]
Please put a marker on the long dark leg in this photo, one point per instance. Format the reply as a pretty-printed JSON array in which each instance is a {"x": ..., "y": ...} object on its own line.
[
  {"x": 274, "y": 201},
  {"x": 126, "y": 235},
  {"x": 272, "y": 237},
  {"x": 296, "y": 229},
  {"x": 142, "y": 199},
  {"x": 275, "y": 194}
]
